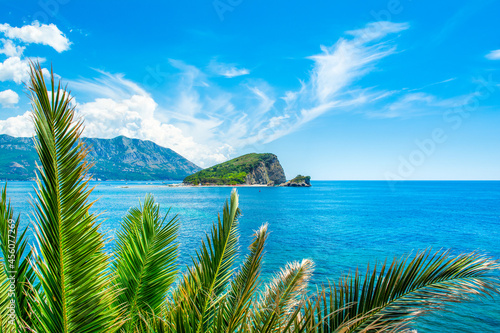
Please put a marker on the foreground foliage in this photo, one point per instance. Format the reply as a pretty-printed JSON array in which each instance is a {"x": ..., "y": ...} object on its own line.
[{"x": 67, "y": 282}]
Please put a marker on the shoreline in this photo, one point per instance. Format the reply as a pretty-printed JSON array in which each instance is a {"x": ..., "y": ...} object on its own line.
[{"x": 181, "y": 185}]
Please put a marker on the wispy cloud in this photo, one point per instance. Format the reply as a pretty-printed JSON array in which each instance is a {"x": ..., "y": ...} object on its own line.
[
  {"x": 242, "y": 119},
  {"x": 433, "y": 84},
  {"x": 336, "y": 68},
  {"x": 227, "y": 70},
  {"x": 377, "y": 30},
  {"x": 113, "y": 86},
  {"x": 493, "y": 55},
  {"x": 418, "y": 104}
]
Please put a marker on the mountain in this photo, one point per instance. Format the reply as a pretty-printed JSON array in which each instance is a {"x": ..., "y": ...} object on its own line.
[
  {"x": 250, "y": 169},
  {"x": 120, "y": 158}
]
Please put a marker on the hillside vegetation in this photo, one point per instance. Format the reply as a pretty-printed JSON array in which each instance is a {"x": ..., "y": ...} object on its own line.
[
  {"x": 232, "y": 172},
  {"x": 301, "y": 179}
]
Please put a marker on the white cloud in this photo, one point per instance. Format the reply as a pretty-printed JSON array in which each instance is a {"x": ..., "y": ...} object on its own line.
[
  {"x": 10, "y": 49},
  {"x": 19, "y": 126},
  {"x": 124, "y": 108},
  {"x": 46, "y": 34},
  {"x": 8, "y": 98},
  {"x": 135, "y": 118},
  {"x": 17, "y": 69},
  {"x": 14, "y": 69},
  {"x": 493, "y": 55},
  {"x": 227, "y": 70},
  {"x": 128, "y": 111}
]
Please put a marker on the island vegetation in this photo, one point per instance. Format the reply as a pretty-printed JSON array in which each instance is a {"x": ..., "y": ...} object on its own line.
[
  {"x": 232, "y": 172},
  {"x": 69, "y": 281},
  {"x": 301, "y": 179}
]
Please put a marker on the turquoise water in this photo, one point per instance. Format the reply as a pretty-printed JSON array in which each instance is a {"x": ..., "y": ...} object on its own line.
[{"x": 339, "y": 225}]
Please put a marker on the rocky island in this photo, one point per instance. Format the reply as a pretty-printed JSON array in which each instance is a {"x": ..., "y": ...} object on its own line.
[
  {"x": 299, "y": 181},
  {"x": 250, "y": 169}
]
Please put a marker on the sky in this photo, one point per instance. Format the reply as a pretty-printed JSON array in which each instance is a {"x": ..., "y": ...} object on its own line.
[{"x": 338, "y": 90}]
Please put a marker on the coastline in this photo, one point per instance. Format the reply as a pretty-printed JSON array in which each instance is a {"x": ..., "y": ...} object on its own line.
[{"x": 181, "y": 185}]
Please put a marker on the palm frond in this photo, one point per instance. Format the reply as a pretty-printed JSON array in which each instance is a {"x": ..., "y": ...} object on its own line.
[
  {"x": 145, "y": 265},
  {"x": 5, "y": 299},
  {"x": 197, "y": 297},
  {"x": 13, "y": 247},
  {"x": 282, "y": 297},
  {"x": 72, "y": 264},
  {"x": 390, "y": 299},
  {"x": 236, "y": 307}
]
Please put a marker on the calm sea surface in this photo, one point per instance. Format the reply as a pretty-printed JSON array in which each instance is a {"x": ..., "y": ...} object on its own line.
[{"x": 340, "y": 225}]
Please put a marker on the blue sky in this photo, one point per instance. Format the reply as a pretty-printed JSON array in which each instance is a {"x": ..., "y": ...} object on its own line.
[{"x": 389, "y": 90}]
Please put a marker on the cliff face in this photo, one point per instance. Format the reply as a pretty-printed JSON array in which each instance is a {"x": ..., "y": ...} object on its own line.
[
  {"x": 250, "y": 169},
  {"x": 269, "y": 173},
  {"x": 120, "y": 158}
]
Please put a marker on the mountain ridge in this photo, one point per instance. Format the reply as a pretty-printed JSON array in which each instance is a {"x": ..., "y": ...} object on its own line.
[{"x": 119, "y": 158}]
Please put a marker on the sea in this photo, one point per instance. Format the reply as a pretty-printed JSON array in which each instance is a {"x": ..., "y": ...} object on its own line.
[{"x": 340, "y": 225}]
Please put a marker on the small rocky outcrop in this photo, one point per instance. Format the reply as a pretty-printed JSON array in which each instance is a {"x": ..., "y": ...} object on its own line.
[{"x": 299, "y": 181}]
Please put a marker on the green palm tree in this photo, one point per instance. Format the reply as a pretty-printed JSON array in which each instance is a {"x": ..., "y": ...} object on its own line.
[{"x": 66, "y": 282}]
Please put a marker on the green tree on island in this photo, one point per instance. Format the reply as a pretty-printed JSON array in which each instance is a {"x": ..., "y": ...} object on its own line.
[{"x": 66, "y": 282}]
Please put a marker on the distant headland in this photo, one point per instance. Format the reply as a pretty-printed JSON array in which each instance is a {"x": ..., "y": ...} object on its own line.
[{"x": 247, "y": 170}]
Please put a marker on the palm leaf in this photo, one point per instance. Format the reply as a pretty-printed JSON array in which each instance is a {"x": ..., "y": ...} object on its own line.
[
  {"x": 13, "y": 246},
  {"x": 5, "y": 298},
  {"x": 390, "y": 299},
  {"x": 145, "y": 266},
  {"x": 283, "y": 297},
  {"x": 237, "y": 304},
  {"x": 71, "y": 264},
  {"x": 198, "y": 295}
]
